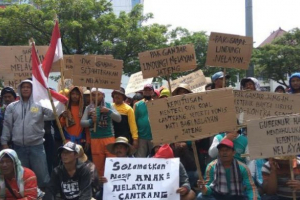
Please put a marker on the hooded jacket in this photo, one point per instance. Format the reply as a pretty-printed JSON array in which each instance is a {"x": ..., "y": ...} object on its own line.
[
  {"x": 254, "y": 80},
  {"x": 25, "y": 183},
  {"x": 292, "y": 76},
  {"x": 24, "y": 121},
  {"x": 166, "y": 151}
]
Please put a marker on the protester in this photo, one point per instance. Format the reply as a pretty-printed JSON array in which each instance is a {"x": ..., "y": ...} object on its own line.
[
  {"x": 279, "y": 89},
  {"x": 186, "y": 156},
  {"x": 72, "y": 178},
  {"x": 142, "y": 122},
  {"x": 250, "y": 83},
  {"x": 95, "y": 183},
  {"x": 137, "y": 97},
  {"x": 70, "y": 118},
  {"x": 209, "y": 86},
  {"x": 295, "y": 83},
  {"x": 165, "y": 93},
  {"x": 156, "y": 94},
  {"x": 227, "y": 178},
  {"x": 128, "y": 101},
  {"x": 183, "y": 88},
  {"x": 127, "y": 127},
  {"x": 217, "y": 80},
  {"x": 8, "y": 96},
  {"x": 277, "y": 178},
  {"x": 87, "y": 98},
  {"x": 16, "y": 182},
  {"x": 184, "y": 189},
  {"x": 24, "y": 122},
  {"x": 102, "y": 115}
]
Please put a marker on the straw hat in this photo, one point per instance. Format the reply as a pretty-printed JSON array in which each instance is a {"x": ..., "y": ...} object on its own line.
[
  {"x": 120, "y": 140},
  {"x": 183, "y": 86},
  {"x": 81, "y": 155}
]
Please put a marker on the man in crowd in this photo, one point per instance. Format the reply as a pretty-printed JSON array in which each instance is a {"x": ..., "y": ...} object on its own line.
[
  {"x": 165, "y": 93},
  {"x": 295, "y": 83},
  {"x": 24, "y": 123},
  {"x": 277, "y": 178},
  {"x": 101, "y": 116},
  {"x": 227, "y": 178},
  {"x": 16, "y": 182},
  {"x": 250, "y": 83},
  {"x": 183, "y": 88},
  {"x": 127, "y": 127},
  {"x": 217, "y": 80},
  {"x": 143, "y": 124},
  {"x": 8, "y": 96},
  {"x": 72, "y": 179},
  {"x": 184, "y": 189}
]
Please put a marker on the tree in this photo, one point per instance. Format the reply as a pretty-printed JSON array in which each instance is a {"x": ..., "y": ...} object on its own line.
[
  {"x": 87, "y": 27},
  {"x": 280, "y": 58}
]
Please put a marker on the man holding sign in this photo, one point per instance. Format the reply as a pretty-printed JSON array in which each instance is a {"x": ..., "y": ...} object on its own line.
[{"x": 226, "y": 178}]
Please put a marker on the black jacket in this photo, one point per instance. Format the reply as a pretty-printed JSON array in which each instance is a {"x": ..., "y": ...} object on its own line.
[{"x": 77, "y": 187}]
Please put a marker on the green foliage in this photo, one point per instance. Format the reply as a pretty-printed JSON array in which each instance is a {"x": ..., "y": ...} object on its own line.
[
  {"x": 280, "y": 58},
  {"x": 87, "y": 27}
]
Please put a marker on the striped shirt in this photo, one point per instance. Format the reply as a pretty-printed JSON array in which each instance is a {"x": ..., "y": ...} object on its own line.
[
  {"x": 250, "y": 188},
  {"x": 283, "y": 175}
]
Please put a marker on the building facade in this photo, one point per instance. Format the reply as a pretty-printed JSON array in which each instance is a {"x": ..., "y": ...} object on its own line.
[{"x": 124, "y": 5}]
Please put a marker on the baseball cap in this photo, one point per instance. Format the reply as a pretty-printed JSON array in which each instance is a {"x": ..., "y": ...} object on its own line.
[
  {"x": 69, "y": 146},
  {"x": 219, "y": 75},
  {"x": 8, "y": 90},
  {"x": 149, "y": 86},
  {"x": 226, "y": 142}
]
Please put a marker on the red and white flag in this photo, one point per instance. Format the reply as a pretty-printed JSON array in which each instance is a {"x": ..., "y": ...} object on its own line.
[
  {"x": 54, "y": 52},
  {"x": 39, "y": 77}
]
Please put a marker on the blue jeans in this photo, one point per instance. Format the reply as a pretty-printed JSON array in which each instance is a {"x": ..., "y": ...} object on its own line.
[{"x": 34, "y": 158}]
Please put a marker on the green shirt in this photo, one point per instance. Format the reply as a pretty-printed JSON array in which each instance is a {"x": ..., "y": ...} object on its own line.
[
  {"x": 227, "y": 170},
  {"x": 142, "y": 120}
]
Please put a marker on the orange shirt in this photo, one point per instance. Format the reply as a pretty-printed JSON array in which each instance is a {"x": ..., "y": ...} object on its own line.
[{"x": 30, "y": 186}]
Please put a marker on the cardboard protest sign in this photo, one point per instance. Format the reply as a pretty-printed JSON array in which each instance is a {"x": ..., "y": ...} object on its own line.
[
  {"x": 141, "y": 178},
  {"x": 273, "y": 137},
  {"x": 136, "y": 83},
  {"x": 256, "y": 104},
  {"x": 229, "y": 51},
  {"x": 162, "y": 62},
  {"x": 195, "y": 80},
  {"x": 192, "y": 116}
]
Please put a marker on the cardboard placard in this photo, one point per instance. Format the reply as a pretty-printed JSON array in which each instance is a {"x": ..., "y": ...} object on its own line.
[
  {"x": 256, "y": 104},
  {"x": 141, "y": 178},
  {"x": 229, "y": 51},
  {"x": 137, "y": 83},
  {"x": 162, "y": 62},
  {"x": 192, "y": 116},
  {"x": 195, "y": 80},
  {"x": 278, "y": 136}
]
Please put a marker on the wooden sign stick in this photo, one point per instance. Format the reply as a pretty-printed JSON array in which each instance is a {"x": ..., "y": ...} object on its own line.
[
  {"x": 224, "y": 78},
  {"x": 292, "y": 175},
  {"x": 96, "y": 102}
]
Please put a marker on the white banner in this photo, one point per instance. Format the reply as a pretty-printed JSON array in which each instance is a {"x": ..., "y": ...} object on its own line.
[{"x": 141, "y": 178}]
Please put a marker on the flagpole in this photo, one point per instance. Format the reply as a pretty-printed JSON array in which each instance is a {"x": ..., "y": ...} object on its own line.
[{"x": 52, "y": 104}]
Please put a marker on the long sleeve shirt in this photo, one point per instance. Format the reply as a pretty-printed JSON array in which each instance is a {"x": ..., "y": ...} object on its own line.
[{"x": 250, "y": 188}]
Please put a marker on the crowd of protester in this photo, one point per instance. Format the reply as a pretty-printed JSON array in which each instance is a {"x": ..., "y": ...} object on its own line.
[{"x": 35, "y": 164}]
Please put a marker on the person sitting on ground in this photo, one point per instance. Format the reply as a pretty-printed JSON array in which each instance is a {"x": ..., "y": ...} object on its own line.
[
  {"x": 72, "y": 179},
  {"x": 227, "y": 178},
  {"x": 16, "y": 182},
  {"x": 184, "y": 189},
  {"x": 277, "y": 178}
]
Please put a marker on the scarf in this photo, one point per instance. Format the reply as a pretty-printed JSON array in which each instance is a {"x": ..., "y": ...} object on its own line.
[
  {"x": 219, "y": 184},
  {"x": 18, "y": 172}
]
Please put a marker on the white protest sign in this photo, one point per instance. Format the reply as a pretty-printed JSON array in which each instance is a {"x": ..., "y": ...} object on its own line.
[
  {"x": 136, "y": 82},
  {"x": 141, "y": 178},
  {"x": 273, "y": 137}
]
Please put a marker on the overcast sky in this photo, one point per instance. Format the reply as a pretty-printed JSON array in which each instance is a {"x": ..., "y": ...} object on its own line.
[{"x": 226, "y": 16}]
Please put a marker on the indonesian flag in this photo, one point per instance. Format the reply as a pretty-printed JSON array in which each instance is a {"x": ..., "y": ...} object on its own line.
[
  {"x": 54, "y": 52},
  {"x": 40, "y": 73}
]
